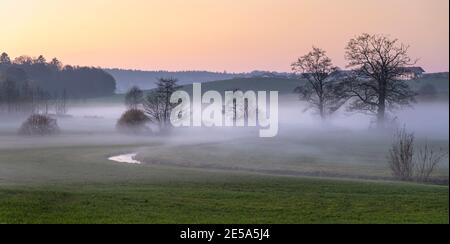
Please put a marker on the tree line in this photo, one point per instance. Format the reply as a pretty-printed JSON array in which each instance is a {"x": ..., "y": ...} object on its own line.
[{"x": 33, "y": 84}]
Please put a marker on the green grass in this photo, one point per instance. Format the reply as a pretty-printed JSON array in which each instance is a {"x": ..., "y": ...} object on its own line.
[
  {"x": 331, "y": 153},
  {"x": 68, "y": 179},
  {"x": 54, "y": 183},
  {"x": 243, "y": 200}
]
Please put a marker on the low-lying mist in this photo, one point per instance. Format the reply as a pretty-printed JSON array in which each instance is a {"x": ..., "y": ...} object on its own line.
[
  {"x": 428, "y": 120},
  {"x": 345, "y": 144}
]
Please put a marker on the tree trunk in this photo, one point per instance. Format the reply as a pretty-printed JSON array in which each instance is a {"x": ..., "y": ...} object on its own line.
[
  {"x": 322, "y": 109},
  {"x": 381, "y": 113},
  {"x": 234, "y": 111},
  {"x": 322, "y": 113}
]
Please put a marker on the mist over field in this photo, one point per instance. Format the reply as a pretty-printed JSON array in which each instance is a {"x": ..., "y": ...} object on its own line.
[
  {"x": 427, "y": 119},
  {"x": 345, "y": 145},
  {"x": 224, "y": 112},
  {"x": 345, "y": 156}
]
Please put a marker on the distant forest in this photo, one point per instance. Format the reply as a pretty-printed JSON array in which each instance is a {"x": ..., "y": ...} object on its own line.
[
  {"x": 147, "y": 79},
  {"x": 54, "y": 78}
]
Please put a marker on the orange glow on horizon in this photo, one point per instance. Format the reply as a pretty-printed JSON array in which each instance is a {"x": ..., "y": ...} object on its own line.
[{"x": 216, "y": 35}]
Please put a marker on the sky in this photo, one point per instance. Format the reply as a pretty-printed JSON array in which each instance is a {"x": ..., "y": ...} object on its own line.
[{"x": 217, "y": 35}]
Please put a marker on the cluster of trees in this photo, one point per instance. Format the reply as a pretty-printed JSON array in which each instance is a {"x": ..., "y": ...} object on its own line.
[
  {"x": 26, "y": 78},
  {"x": 19, "y": 94},
  {"x": 154, "y": 107},
  {"x": 371, "y": 86}
]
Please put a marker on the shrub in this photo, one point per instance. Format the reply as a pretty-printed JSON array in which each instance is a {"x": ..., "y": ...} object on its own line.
[
  {"x": 427, "y": 160},
  {"x": 133, "y": 121},
  {"x": 38, "y": 124},
  {"x": 409, "y": 163},
  {"x": 401, "y": 155}
]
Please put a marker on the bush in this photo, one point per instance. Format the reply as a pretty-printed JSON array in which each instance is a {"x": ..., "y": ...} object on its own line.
[
  {"x": 408, "y": 163},
  {"x": 40, "y": 125},
  {"x": 427, "y": 160},
  {"x": 401, "y": 155},
  {"x": 133, "y": 121}
]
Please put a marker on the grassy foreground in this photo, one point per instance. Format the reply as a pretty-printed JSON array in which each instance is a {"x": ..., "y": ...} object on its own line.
[
  {"x": 77, "y": 184},
  {"x": 254, "y": 200}
]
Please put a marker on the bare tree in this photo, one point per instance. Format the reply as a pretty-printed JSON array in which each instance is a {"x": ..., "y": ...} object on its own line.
[
  {"x": 401, "y": 155},
  {"x": 154, "y": 108},
  {"x": 61, "y": 103},
  {"x": 245, "y": 112},
  {"x": 409, "y": 163},
  {"x": 157, "y": 103},
  {"x": 10, "y": 95},
  {"x": 378, "y": 62},
  {"x": 427, "y": 160},
  {"x": 134, "y": 97},
  {"x": 320, "y": 89}
]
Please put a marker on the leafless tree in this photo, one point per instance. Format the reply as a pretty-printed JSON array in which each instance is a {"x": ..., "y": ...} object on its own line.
[
  {"x": 10, "y": 95},
  {"x": 377, "y": 62},
  {"x": 401, "y": 155},
  {"x": 157, "y": 104},
  {"x": 154, "y": 108},
  {"x": 61, "y": 103},
  {"x": 409, "y": 163},
  {"x": 427, "y": 160},
  {"x": 320, "y": 89},
  {"x": 244, "y": 112}
]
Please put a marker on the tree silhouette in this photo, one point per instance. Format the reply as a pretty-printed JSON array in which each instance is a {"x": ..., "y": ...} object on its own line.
[
  {"x": 30, "y": 85},
  {"x": 320, "y": 90},
  {"x": 377, "y": 61},
  {"x": 52, "y": 77},
  {"x": 157, "y": 103},
  {"x": 4, "y": 59}
]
